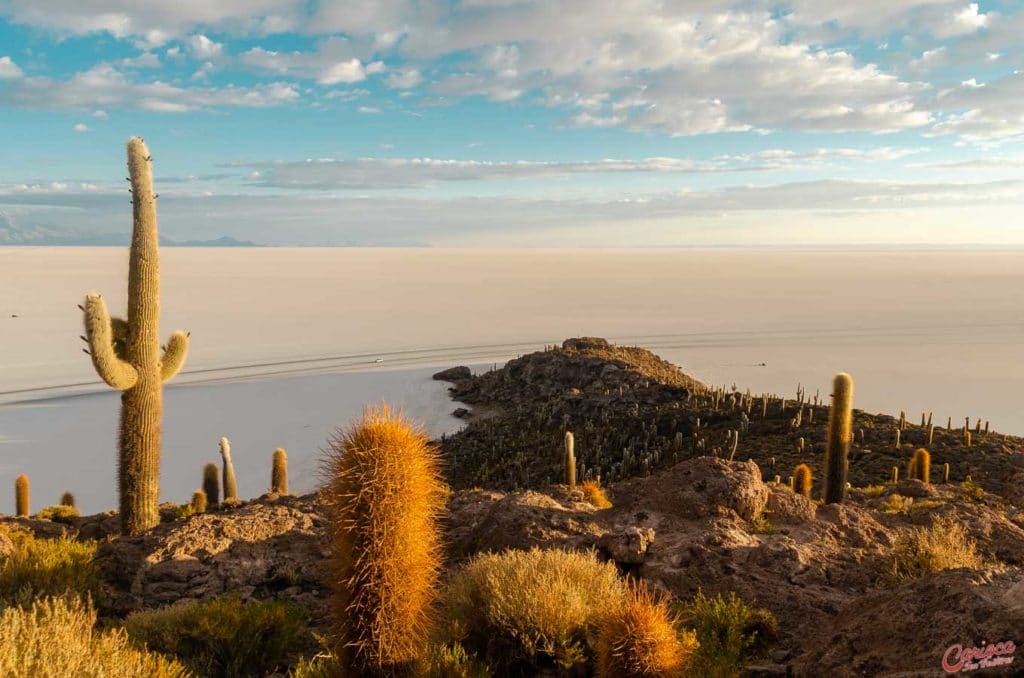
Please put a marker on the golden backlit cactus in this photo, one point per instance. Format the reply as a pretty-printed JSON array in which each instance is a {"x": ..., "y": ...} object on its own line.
[
  {"x": 126, "y": 354},
  {"x": 641, "y": 639},
  {"x": 382, "y": 496},
  {"x": 840, "y": 433},
  {"x": 21, "y": 499},
  {"x": 198, "y": 503},
  {"x": 230, "y": 484},
  {"x": 803, "y": 478},
  {"x": 920, "y": 466},
  {"x": 211, "y": 484},
  {"x": 279, "y": 472}
]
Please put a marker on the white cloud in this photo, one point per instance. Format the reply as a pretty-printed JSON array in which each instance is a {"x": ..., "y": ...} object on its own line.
[
  {"x": 102, "y": 115},
  {"x": 103, "y": 85},
  {"x": 368, "y": 109},
  {"x": 385, "y": 173},
  {"x": 144, "y": 60},
  {"x": 202, "y": 48},
  {"x": 346, "y": 72},
  {"x": 404, "y": 79},
  {"x": 985, "y": 115},
  {"x": 81, "y": 127},
  {"x": 9, "y": 69}
]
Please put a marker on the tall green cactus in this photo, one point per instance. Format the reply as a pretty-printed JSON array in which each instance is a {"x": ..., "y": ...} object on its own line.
[
  {"x": 230, "y": 485},
  {"x": 840, "y": 432},
  {"x": 126, "y": 355},
  {"x": 211, "y": 484}
]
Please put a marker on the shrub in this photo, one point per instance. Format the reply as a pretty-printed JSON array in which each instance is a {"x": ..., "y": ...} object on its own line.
[
  {"x": 55, "y": 638},
  {"x": 896, "y": 503},
  {"x": 61, "y": 513},
  {"x": 531, "y": 607},
  {"x": 594, "y": 494},
  {"x": 872, "y": 491},
  {"x": 728, "y": 631},
  {"x": 945, "y": 545},
  {"x": 641, "y": 639},
  {"x": 46, "y": 567},
  {"x": 437, "y": 661},
  {"x": 224, "y": 637},
  {"x": 382, "y": 498}
]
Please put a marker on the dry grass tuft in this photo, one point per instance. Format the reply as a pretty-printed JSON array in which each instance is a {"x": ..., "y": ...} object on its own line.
[
  {"x": 641, "y": 639},
  {"x": 55, "y": 639},
  {"x": 594, "y": 494},
  {"x": 532, "y": 606},
  {"x": 59, "y": 513},
  {"x": 46, "y": 567},
  {"x": 943, "y": 546},
  {"x": 382, "y": 495}
]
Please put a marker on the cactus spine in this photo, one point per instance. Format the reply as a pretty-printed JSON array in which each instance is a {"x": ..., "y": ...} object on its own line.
[
  {"x": 211, "y": 484},
  {"x": 230, "y": 486},
  {"x": 803, "y": 478},
  {"x": 921, "y": 466},
  {"x": 840, "y": 420},
  {"x": 21, "y": 500},
  {"x": 126, "y": 355},
  {"x": 279, "y": 472},
  {"x": 67, "y": 499},
  {"x": 198, "y": 503},
  {"x": 382, "y": 500},
  {"x": 570, "y": 460}
]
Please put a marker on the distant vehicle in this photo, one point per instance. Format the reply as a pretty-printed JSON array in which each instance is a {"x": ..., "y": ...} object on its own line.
[{"x": 379, "y": 360}]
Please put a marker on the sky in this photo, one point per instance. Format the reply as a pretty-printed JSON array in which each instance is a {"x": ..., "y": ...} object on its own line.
[{"x": 479, "y": 123}]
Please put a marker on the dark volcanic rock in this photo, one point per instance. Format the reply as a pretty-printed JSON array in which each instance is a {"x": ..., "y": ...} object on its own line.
[{"x": 454, "y": 374}]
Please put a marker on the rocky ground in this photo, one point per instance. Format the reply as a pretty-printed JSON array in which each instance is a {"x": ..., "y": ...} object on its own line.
[{"x": 685, "y": 523}]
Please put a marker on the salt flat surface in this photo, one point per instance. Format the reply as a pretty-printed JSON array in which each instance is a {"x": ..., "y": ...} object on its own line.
[{"x": 285, "y": 342}]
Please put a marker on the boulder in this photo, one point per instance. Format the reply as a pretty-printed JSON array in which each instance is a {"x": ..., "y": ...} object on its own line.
[
  {"x": 628, "y": 546},
  {"x": 454, "y": 374}
]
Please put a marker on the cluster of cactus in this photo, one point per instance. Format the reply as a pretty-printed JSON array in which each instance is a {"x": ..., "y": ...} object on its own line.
[{"x": 126, "y": 355}]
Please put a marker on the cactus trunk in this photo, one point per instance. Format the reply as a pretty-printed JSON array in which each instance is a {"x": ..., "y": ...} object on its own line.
[
  {"x": 840, "y": 422},
  {"x": 230, "y": 484},
  {"x": 135, "y": 365},
  {"x": 570, "y": 461},
  {"x": 211, "y": 484},
  {"x": 279, "y": 472},
  {"x": 21, "y": 502}
]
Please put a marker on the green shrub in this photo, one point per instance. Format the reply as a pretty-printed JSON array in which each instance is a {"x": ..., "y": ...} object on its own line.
[
  {"x": 531, "y": 608},
  {"x": 729, "y": 631},
  {"x": 46, "y": 567},
  {"x": 59, "y": 513},
  {"x": 55, "y": 638},
  {"x": 224, "y": 637}
]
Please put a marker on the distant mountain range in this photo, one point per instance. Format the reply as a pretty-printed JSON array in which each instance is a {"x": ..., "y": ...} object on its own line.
[{"x": 13, "y": 234}]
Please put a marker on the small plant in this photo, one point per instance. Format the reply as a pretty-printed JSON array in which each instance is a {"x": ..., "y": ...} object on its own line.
[
  {"x": 943, "y": 546},
  {"x": 230, "y": 484},
  {"x": 729, "y": 631},
  {"x": 211, "y": 485},
  {"x": 56, "y": 637},
  {"x": 873, "y": 491},
  {"x": 640, "y": 639},
  {"x": 972, "y": 491},
  {"x": 224, "y": 637},
  {"x": 761, "y": 525},
  {"x": 594, "y": 494},
  {"x": 46, "y": 567},
  {"x": 67, "y": 499},
  {"x": 382, "y": 497},
  {"x": 896, "y": 503},
  {"x": 21, "y": 500},
  {"x": 60, "y": 513},
  {"x": 534, "y": 607},
  {"x": 920, "y": 466},
  {"x": 279, "y": 472},
  {"x": 198, "y": 503},
  {"x": 803, "y": 478}
]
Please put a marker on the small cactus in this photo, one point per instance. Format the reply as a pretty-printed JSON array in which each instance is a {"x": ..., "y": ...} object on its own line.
[
  {"x": 211, "y": 484},
  {"x": 945, "y": 473},
  {"x": 840, "y": 421},
  {"x": 230, "y": 485},
  {"x": 279, "y": 472},
  {"x": 570, "y": 460},
  {"x": 382, "y": 499},
  {"x": 198, "y": 503},
  {"x": 21, "y": 499},
  {"x": 895, "y": 474},
  {"x": 920, "y": 466},
  {"x": 67, "y": 499},
  {"x": 803, "y": 478}
]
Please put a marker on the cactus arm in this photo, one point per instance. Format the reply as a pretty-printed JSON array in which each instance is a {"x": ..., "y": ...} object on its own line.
[
  {"x": 99, "y": 334},
  {"x": 174, "y": 356}
]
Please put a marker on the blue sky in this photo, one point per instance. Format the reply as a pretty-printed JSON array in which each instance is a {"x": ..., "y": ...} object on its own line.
[{"x": 520, "y": 122}]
